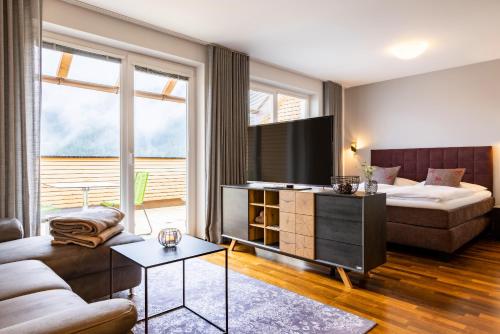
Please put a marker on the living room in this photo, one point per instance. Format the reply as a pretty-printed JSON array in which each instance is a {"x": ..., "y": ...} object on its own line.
[{"x": 242, "y": 167}]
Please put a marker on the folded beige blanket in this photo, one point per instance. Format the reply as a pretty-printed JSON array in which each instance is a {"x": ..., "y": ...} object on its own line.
[
  {"x": 85, "y": 240},
  {"x": 91, "y": 222}
]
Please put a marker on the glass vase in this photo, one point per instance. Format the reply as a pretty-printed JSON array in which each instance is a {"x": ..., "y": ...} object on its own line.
[{"x": 371, "y": 187}]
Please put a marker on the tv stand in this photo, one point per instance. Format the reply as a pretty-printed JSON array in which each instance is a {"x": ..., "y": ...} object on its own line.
[{"x": 343, "y": 232}]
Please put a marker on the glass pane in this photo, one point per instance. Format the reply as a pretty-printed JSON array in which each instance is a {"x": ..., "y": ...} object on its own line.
[
  {"x": 180, "y": 89},
  {"x": 261, "y": 108},
  {"x": 50, "y": 62},
  {"x": 149, "y": 82},
  {"x": 160, "y": 144},
  {"x": 94, "y": 70},
  {"x": 80, "y": 147},
  {"x": 290, "y": 108}
]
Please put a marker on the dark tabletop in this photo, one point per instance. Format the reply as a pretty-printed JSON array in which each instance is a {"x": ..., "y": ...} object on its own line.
[{"x": 150, "y": 253}]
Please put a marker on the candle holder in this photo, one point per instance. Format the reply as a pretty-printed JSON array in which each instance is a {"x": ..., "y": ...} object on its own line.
[{"x": 169, "y": 237}]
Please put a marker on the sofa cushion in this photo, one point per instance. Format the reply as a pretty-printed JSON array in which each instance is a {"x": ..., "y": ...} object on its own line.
[
  {"x": 10, "y": 229},
  {"x": 35, "y": 305},
  {"x": 68, "y": 261},
  {"x": 25, "y": 277}
]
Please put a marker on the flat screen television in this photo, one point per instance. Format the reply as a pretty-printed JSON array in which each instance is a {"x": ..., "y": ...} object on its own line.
[{"x": 299, "y": 152}]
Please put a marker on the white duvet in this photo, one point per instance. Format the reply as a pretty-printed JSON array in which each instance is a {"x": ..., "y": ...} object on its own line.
[
  {"x": 428, "y": 193},
  {"x": 431, "y": 197}
]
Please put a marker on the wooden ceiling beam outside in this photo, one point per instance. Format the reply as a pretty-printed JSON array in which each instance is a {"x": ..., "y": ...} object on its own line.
[
  {"x": 109, "y": 89},
  {"x": 169, "y": 87},
  {"x": 157, "y": 96},
  {"x": 64, "y": 65}
]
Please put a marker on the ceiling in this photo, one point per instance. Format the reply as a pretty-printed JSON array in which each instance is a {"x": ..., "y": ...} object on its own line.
[{"x": 339, "y": 40}]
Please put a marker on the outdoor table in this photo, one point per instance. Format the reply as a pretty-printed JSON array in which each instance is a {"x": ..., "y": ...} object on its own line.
[{"x": 85, "y": 187}]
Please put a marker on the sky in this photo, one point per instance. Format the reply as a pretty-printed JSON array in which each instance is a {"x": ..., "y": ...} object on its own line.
[{"x": 84, "y": 122}]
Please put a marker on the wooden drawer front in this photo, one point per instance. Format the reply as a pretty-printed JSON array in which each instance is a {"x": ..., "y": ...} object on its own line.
[
  {"x": 287, "y": 222},
  {"x": 304, "y": 225},
  {"x": 287, "y": 201},
  {"x": 339, "y": 253},
  {"x": 287, "y": 242},
  {"x": 344, "y": 208},
  {"x": 343, "y": 231},
  {"x": 304, "y": 203},
  {"x": 304, "y": 246}
]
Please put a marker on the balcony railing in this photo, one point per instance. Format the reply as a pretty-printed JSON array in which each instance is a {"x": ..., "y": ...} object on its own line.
[{"x": 166, "y": 184}]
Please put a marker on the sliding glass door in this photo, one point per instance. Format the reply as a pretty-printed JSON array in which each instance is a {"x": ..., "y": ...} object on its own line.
[
  {"x": 80, "y": 131},
  {"x": 114, "y": 133},
  {"x": 160, "y": 150}
]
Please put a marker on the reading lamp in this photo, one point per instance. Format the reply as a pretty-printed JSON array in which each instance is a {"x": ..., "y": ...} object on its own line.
[{"x": 354, "y": 147}]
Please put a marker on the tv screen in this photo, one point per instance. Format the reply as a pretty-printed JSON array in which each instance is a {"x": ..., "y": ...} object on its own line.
[{"x": 292, "y": 152}]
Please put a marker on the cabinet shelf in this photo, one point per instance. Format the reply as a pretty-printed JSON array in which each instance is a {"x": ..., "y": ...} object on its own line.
[
  {"x": 272, "y": 206},
  {"x": 257, "y": 204},
  {"x": 257, "y": 225},
  {"x": 273, "y": 227}
]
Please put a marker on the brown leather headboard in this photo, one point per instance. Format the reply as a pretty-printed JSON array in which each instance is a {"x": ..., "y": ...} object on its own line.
[{"x": 414, "y": 162}]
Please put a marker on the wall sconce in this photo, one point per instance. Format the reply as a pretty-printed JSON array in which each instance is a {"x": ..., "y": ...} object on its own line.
[{"x": 354, "y": 147}]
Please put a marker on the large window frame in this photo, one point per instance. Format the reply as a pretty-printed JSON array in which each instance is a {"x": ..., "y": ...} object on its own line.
[
  {"x": 275, "y": 91},
  {"x": 129, "y": 60}
]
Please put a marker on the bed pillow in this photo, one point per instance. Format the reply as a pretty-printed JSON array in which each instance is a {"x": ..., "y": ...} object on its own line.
[
  {"x": 385, "y": 175},
  {"x": 472, "y": 186},
  {"x": 401, "y": 181},
  {"x": 445, "y": 177}
]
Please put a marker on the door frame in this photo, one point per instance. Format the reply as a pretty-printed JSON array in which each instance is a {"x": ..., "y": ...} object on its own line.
[{"x": 127, "y": 169}]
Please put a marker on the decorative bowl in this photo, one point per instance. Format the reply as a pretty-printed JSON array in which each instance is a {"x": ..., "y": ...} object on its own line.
[
  {"x": 345, "y": 184},
  {"x": 169, "y": 237}
]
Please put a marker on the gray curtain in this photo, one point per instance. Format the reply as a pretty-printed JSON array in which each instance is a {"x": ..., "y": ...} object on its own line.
[
  {"x": 332, "y": 105},
  {"x": 227, "y": 122},
  {"x": 20, "y": 37}
]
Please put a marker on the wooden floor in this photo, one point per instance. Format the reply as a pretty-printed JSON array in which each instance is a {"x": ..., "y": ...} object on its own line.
[{"x": 411, "y": 293}]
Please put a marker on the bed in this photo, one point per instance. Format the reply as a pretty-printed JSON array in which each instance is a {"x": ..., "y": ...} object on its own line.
[{"x": 441, "y": 225}]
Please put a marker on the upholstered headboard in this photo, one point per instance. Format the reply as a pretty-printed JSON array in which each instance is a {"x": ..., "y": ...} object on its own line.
[{"x": 414, "y": 162}]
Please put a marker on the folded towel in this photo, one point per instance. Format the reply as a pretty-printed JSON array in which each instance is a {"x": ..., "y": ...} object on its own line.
[
  {"x": 85, "y": 240},
  {"x": 90, "y": 222}
]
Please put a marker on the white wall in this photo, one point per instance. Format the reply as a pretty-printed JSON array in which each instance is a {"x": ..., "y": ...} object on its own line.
[
  {"x": 454, "y": 107},
  {"x": 96, "y": 26}
]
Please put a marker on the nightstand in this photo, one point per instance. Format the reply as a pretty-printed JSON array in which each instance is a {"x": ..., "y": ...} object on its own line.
[{"x": 495, "y": 222}]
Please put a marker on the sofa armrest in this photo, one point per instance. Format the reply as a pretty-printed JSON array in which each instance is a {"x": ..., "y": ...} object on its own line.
[
  {"x": 105, "y": 317},
  {"x": 10, "y": 229}
]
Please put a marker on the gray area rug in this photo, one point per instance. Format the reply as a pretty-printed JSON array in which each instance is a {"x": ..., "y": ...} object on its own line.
[{"x": 254, "y": 306}]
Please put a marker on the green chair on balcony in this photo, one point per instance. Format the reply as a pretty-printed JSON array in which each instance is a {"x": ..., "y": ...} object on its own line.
[{"x": 140, "y": 183}]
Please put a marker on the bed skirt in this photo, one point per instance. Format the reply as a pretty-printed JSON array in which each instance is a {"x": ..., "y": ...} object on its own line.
[
  {"x": 443, "y": 240},
  {"x": 439, "y": 230}
]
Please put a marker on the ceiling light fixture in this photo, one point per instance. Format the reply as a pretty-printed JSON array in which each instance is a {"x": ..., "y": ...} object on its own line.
[{"x": 409, "y": 50}]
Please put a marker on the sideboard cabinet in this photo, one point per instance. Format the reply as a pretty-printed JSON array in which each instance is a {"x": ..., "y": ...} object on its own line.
[{"x": 339, "y": 231}]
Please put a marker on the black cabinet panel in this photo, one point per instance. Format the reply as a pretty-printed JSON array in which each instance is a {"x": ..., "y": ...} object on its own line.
[
  {"x": 336, "y": 207},
  {"x": 339, "y": 230},
  {"x": 339, "y": 253},
  {"x": 235, "y": 212}
]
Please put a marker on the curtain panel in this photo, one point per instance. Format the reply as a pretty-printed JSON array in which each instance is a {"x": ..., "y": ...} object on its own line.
[
  {"x": 227, "y": 122},
  {"x": 332, "y": 105},
  {"x": 20, "y": 67}
]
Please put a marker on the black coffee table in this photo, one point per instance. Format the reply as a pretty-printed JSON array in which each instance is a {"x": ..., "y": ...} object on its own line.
[{"x": 149, "y": 254}]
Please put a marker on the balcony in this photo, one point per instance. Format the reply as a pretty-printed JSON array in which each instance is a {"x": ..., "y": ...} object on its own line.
[{"x": 164, "y": 198}]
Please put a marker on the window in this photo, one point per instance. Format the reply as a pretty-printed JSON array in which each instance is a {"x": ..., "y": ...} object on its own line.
[
  {"x": 92, "y": 130},
  {"x": 261, "y": 107},
  {"x": 80, "y": 104},
  {"x": 291, "y": 108},
  {"x": 270, "y": 105},
  {"x": 80, "y": 131}
]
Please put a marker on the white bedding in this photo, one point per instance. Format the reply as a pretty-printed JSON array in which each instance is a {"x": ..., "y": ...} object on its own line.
[{"x": 431, "y": 197}]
